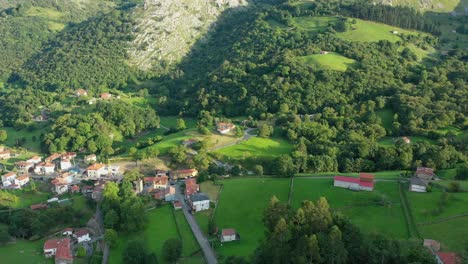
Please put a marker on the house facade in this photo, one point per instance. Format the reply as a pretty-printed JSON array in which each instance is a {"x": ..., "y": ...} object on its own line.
[
  {"x": 22, "y": 180},
  {"x": 418, "y": 185},
  {"x": 425, "y": 173},
  {"x": 224, "y": 128},
  {"x": 24, "y": 166},
  {"x": 35, "y": 160},
  {"x": 363, "y": 183},
  {"x": 97, "y": 170},
  {"x": 228, "y": 235},
  {"x": 199, "y": 202},
  {"x": 8, "y": 179},
  {"x": 82, "y": 235}
]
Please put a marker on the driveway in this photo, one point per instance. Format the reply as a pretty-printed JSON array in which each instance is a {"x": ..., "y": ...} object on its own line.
[{"x": 210, "y": 256}]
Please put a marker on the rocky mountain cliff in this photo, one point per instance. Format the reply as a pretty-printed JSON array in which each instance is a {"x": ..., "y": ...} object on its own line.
[{"x": 167, "y": 29}]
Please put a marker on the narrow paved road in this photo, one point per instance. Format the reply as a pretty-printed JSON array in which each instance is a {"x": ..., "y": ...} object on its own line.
[{"x": 210, "y": 256}]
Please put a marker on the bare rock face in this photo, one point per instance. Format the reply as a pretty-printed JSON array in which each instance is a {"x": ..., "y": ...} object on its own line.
[{"x": 167, "y": 29}]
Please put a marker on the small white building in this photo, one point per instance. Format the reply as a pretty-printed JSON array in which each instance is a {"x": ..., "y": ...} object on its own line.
[
  {"x": 24, "y": 166},
  {"x": 67, "y": 232},
  {"x": 34, "y": 160},
  {"x": 82, "y": 235},
  {"x": 65, "y": 164},
  {"x": 45, "y": 168},
  {"x": 113, "y": 170},
  {"x": 199, "y": 202},
  {"x": 22, "y": 180},
  {"x": 418, "y": 185},
  {"x": 228, "y": 235},
  {"x": 8, "y": 178},
  {"x": 97, "y": 170}
]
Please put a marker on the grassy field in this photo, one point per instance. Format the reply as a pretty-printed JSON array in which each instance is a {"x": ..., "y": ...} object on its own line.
[
  {"x": 361, "y": 207},
  {"x": 330, "y": 61},
  {"x": 25, "y": 199},
  {"x": 161, "y": 227},
  {"x": 189, "y": 243},
  {"x": 367, "y": 31},
  {"x": 463, "y": 184},
  {"x": 15, "y": 135},
  {"x": 258, "y": 147},
  {"x": 210, "y": 189},
  {"x": 314, "y": 24},
  {"x": 241, "y": 206},
  {"x": 202, "y": 219},
  {"x": 452, "y": 234},
  {"x": 171, "y": 121},
  {"x": 24, "y": 251}
]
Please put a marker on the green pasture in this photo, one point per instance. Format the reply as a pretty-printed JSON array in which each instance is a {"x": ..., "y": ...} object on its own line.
[
  {"x": 241, "y": 206},
  {"x": 314, "y": 25},
  {"x": 330, "y": 61},
  {"x": 257, "y": 147},
  {"x": 378, "y": 175},
  {"x": 24, "y": 251},
  {"x": 189, "y": 242},
  {"x": 386, "y": 116},
  {"x": 31, "y": 145},
  {"x": 452, "y": 234}
]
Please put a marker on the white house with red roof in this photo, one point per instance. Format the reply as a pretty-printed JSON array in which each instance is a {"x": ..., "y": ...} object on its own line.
[
  {"x": 45, "y": 168},
  {"x": 60, "y": 248},
  {"x": 97, "y": 170},
  {"x": 168, "y": 194},
  {"x": 158, "y": 182},
  {"x": 82, "y": 235},
  {"x": 425, "y": 173},
  {"x": 24, "y": 166},
  {"x": 365, "y": 182},
  {"x": 35, "y": 160},
  {"x": 22, "y": 180},
  {"x": 106, "y": 96},
  {"x": 81, "y": 92},
  {"x": 224, "y": 128},
  {"x": 228, "y": 235},
  {"x": 53, "y": 157},
  {"x": 8, "y": 179}
]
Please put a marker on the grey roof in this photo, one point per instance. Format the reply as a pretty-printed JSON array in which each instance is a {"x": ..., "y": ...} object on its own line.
[
  {"x": 197, "y": 197},
  {"x": 418, "y": 181}
]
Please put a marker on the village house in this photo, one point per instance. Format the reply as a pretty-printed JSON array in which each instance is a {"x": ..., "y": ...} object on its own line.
[
  {"x": 22, "y": 180},
  {"x": 35, "y": 160},
  {"x": 82, "y": 235},
  {"x": 24, "y": 166},
  {"x": 168, "y": 194},
  {"x": 139, "y": 187},
  {"x": 224, "y": 128},
  {"x": 38, "y": 206},
  {"x": 106, "y": 96},
  {"x": 81, "y": 92},
  {"x": 65, "y": 164},
  {"x": 67, "y": 231},
  {"x": 161, "y": 173},
  {"x": 44, "y": 168},
  {"x": 191, "y": 187},
  {"x": 60, "y": 248},
  {"x": 183, "y": 174},
  {"x": 323, "y": 52},
  {"x": 365, "y": 182},
  {"x": 8, "y": 179},
  {"x": 90, "y": 159},
  {"x": 113, "y": 170},
  {"x": 425, "y": 173},
  {"x": 5, "y": 154},
  {"x": 53, "y": 157},
  {"x": 199, "y": 202},
  {"x": 69, "y": 155},
  {"x": 60, "y": 187},
  {"x": 228, "y": 235},
  {"x": 448, "y": 258},
  {"x": 97, "y": 170},
  {"x": 418, "y": 185},
  {"x": 432, "y": 245},
  {"x": 161, "y": 182}
]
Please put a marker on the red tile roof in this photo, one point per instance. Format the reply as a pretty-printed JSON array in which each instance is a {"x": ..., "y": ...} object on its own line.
[
  {"x": 81, "y": 232},
  {"x": 366, "y": 176},
  {"x": 191, "y": 186},
  {"x": 75, "y": 188},
  {"x": 177, "y": 204},
  {"x": 23, "y": 163},
  {"x": 64, "y": 249},
  {"x": 449, "y": 257},
  {"x": 96, "y": 166},
  {"x": 22, "y": 177},
  {"x": 9, "y": 174},
  {"x": 354, "y": 180},
  {"x": 228, "y": 232},
  {"x": 424, "y": 170}
]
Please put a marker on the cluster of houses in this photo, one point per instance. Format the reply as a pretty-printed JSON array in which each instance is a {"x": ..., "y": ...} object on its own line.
[
  {"x": 102, "y": 96},
  {"x": 421, "y": 178},
  {"x": 441, "y": 257},
  {"x": 224, "y": 128},
  {"x": 62, "y": 248},
  {"x": 365, "y": 182}
]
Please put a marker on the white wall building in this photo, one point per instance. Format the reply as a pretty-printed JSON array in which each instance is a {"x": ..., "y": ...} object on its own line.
[{"x": 199, "y": 202}]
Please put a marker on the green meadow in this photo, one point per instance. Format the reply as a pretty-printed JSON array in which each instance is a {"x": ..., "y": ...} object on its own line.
[
  {"x": 257, "y": 147},
  {"x": 330, "y": 61}
]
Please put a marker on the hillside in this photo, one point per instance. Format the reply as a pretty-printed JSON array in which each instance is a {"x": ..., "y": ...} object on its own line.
[
  {"x": 25, "y": 27},
  {"x": 166, "y": 30}
]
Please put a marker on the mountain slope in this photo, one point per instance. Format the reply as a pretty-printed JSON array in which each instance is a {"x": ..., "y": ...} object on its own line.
[{"x": 166, "y": 30}]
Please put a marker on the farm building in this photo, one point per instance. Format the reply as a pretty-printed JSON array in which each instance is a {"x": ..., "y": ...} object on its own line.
[
  {"x": 365, "y": 182},
  {"x": 224, "y": 128},
  {"x": 448, "y": 258},
  {"x": 199, "y": 202},
  {"x": 60, "y": 248},
  {"x": 432, "y": 245},
  {"x": 82, "y": 235},
  {"x": 106, "y": 96},
  {"x": 183, "y": 174},
  {"x": 425, "y": 173},
  {"x": 191, "y": 187},
  {"x": 228, "y": 235},
  {"x": 418, "y": 185},
  {"x": 97, "y": 170},
  {"x": 406, "y": 140}
]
